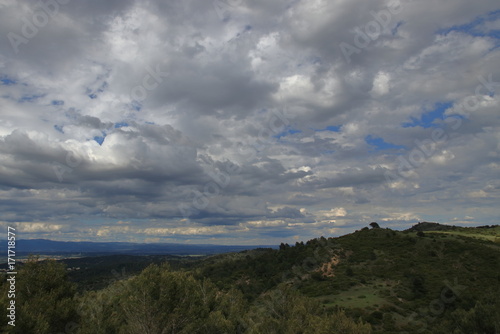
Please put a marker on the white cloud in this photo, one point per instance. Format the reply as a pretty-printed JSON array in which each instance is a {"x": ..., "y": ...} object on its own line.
[
  {"x": 205, "y": 135},
  {"x": 381, "y": 84}
]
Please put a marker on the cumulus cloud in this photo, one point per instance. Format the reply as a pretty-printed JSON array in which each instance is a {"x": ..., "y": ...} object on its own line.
[{"x": 254, "y": 122}]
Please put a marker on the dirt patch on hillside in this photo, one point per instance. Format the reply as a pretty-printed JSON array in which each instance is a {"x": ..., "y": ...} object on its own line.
[{"x": 327, "y": 269}]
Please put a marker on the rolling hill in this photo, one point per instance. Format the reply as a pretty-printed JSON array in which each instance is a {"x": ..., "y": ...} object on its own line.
[{"x": 430, "y": 278}]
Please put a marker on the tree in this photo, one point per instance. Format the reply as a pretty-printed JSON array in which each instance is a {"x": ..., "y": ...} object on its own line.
[
  {"x": 482, "y": 318},
  {"x": 374, "y": 225},
  {"x": 44, "y": 299},
  {"x": 285, "y": 311},
  {"x": 160, "y": 301},
  {"x": 100, "y": 310}
]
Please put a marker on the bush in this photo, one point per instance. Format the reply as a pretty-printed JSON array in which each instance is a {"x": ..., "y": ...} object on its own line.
[{"x": 44, "y": 298}]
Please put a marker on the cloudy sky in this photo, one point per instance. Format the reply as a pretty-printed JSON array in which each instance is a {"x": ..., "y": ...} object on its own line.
[{"x": 246, "y": 122}]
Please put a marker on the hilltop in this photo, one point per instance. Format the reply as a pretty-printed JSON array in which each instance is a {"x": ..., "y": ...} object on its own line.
[
  {"x": 430, "y": 278},
  {"x": 486, "y": 232},
  {"x": 428, "y": 226},
  {"x": 394, "y": 280}
]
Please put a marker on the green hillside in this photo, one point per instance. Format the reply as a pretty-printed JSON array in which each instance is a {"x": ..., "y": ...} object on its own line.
[
  {"x": 393, "y": 280},
  {"x": 430, "y": 278}
]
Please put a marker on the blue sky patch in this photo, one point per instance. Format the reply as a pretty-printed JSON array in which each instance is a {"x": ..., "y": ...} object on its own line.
[
  {"x": 57, "y": 103},
  {"x": 93, "y": 93},
  {"x": 381, "y": 144},
  {"x": 120, "y": 125},
  {"x": 59, "y": 128},
  {"x": 332, "y": 128},
  {"x": 288, "y": 131},
  {"x": 30, "y": 98},
  {"x": 427, "y": 119},
  {"x": 6, "y": 81},
  {"x": 136, "y": 105},
  {"x": 99, "y": 139},
  {"x": 394, "y": 30},
  {"x": 473, "y": 28}
]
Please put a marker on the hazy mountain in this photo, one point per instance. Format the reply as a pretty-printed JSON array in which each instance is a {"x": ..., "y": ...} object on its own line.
[{"x": 43, "y": 246}]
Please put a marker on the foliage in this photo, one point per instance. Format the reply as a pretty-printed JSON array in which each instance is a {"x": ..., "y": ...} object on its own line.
[
  {"x": 285, "y": 311},
  {"x": 162, "y": 301},
  {"x": 44, "y": 299},
  {"x": 374, "y": 280}
]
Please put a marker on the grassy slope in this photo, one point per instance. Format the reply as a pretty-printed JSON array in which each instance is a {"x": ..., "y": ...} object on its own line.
[
  {"x": 381, "y": 275},
  {"x": 490, "y": 234},
  {"x": 403, "y": 273}
]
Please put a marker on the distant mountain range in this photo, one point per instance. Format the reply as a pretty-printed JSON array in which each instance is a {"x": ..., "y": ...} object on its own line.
[{"x": 43, "y": 246}]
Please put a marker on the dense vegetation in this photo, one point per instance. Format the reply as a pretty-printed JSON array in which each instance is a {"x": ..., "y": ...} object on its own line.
[{"x": 428, "y": 279}]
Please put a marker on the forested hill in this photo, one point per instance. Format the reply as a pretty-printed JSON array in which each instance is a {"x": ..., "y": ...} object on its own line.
[
  {"x": 383, "y": 276},
  {"x": 422, "y": 280}
]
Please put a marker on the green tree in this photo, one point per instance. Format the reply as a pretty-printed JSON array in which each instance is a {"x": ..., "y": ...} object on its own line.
[
  {"x": 285, "y": 311},
  {"x": 483, "y": 318},
  {"x": 159, "y": 301},
  {"x": 44, "y": 299},
  {"x": 100, "y": 312}
]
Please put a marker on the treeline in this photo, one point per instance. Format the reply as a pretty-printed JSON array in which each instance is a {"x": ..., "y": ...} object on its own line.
[
  {"x": 409, "y": 273},
  {"x": 371, "y": 281},
  {"x": 159, "y": 301},
  {"x": 256, "y": 271}
]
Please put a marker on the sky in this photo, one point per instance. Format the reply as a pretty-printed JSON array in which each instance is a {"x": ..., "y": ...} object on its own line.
[{"x": 246, "y": 122}]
